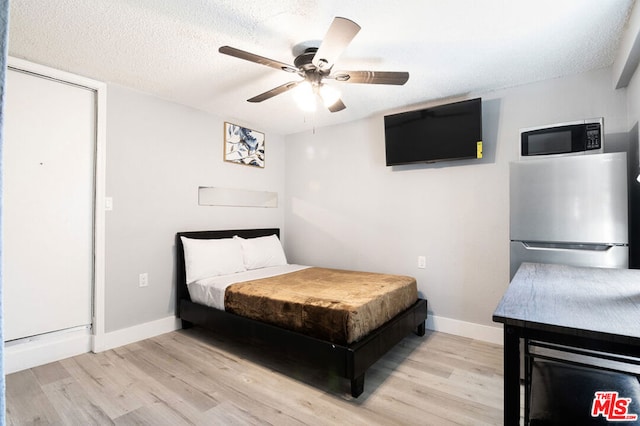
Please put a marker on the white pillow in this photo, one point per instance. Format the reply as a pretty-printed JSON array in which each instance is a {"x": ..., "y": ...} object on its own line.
[
  {"x": 210, "y": 258},
  {"x": 262, "y": 252}
]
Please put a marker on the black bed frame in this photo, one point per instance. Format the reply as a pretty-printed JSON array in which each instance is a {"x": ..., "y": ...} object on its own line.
[{"x": 349, "y": 361}]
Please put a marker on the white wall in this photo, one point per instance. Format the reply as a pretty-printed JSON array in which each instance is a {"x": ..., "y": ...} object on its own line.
[
  {"x": 346, "y": 209},
  {"x": 158, "y": 153}
]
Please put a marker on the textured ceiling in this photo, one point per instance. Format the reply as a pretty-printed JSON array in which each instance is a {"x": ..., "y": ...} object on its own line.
[{"x": 169, "y": 48}]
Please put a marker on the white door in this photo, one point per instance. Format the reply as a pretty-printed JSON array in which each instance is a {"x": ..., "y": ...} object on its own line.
[{"x": 48, "y": 180}]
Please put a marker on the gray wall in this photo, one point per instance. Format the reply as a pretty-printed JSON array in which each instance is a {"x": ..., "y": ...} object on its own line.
[
  {"x": 341, "y": 205},
  {"x": 633, "y": 111},
  {"x": 346, "y": 209},
  {"x": 633, "y": 106},
  {"x": 158, "y": 153}
]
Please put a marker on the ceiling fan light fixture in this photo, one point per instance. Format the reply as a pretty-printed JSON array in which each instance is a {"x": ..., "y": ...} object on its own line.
[
  {"x": 314, "y": 61},
  {"x": 305, "y": 97},
  {"x": 330, "y": 95}
]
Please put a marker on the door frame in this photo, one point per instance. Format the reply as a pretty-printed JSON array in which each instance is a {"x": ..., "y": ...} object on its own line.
[{"x": 98, "y": 321}]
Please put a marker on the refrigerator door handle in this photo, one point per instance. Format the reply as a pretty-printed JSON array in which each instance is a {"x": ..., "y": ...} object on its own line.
[
  {"x": 536, "y": 245},
  {"x": 600, "y": 255}
]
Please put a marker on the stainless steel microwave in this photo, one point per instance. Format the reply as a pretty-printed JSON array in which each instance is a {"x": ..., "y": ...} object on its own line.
[{"x": 573, "y": 138}]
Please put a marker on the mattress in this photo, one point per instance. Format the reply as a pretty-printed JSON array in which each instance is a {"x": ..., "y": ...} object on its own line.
[
  {"x": 330, "y": 304},
  {"x": 210, "y": 291}
]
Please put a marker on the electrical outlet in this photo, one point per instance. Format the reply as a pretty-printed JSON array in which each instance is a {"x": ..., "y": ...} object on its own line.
[
  {"x": 108, "y": 203},
  {"x": 143, "y": 279},
  {"x": 422, "y": 262}
]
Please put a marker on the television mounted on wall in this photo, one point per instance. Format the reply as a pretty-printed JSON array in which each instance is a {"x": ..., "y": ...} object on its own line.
[{"x": 441, "y": 133}]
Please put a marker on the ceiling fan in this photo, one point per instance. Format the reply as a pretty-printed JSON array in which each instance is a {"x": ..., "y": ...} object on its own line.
[{"x": 315, "y": 64}]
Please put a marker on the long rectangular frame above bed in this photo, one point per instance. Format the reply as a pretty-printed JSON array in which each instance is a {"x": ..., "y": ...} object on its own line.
[{"x": 349, "y": 361}]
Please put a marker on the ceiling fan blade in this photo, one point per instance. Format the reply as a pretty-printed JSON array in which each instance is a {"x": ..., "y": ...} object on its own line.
[
  {"x": 237, "y": 53},
  {"x": 337, "y": 106},
  {"x": 372, "y": 77},
  {"x": 275, "y": 91},
  {"x": 338, "y": 37}
]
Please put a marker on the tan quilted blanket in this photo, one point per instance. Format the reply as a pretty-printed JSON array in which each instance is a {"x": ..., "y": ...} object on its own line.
[{"x": 335, "y": 305}]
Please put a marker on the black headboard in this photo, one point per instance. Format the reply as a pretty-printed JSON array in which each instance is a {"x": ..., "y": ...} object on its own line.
[{"x": 181, "y": 279}]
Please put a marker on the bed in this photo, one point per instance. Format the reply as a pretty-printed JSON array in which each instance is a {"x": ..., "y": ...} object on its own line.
[{"x": 333, "y": 346}]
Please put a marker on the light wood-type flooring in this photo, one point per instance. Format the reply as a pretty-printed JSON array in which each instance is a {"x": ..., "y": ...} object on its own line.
[{"x": 193, "y": 377}]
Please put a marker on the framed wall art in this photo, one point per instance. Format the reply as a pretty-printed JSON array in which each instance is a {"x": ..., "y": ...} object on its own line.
[{"x": 243, "y": 146}]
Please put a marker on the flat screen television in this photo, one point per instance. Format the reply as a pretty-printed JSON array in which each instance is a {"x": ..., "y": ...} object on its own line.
[{"x": 440, "y": 133}]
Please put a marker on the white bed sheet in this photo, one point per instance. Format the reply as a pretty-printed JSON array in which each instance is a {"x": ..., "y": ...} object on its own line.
[{"x": 210, "y": 291}]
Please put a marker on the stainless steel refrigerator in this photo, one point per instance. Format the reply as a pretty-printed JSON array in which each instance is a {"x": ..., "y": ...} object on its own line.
[{"x": 570, "y": 210}]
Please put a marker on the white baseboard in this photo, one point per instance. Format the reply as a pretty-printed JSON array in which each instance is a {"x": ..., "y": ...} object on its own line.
[
  {"x": 39, "y": 350},
  {"x": 465, "y": 329},
  {"x": 136, "y": 333}
]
